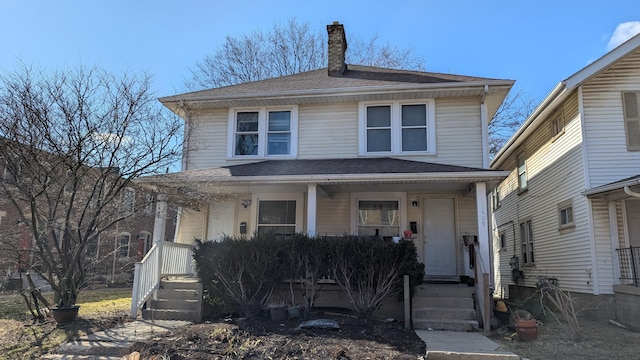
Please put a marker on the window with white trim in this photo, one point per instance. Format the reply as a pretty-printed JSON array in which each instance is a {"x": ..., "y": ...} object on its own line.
[
  {"x": 526, "y": 240},
  {"x": 378, "y": 218},
  {"x": 495, "y": 198},
  {"x": 502, "y": 240},
  {"x": 128, "y": 200},
  {"x": 378, "y": 213},
  {"x": 125, "y": 240},
  {"x": 397, "y": 127},
  {"x": 263, "y": 132},
  {"x": 522, "y": 173},
  {"x": 148, "y": 205},
  {"x": 277, "y": 217},
  {"x": 565, "y": 214},
  {"x": 557, "y": 124},
  {"x": 631, "y": 105}
]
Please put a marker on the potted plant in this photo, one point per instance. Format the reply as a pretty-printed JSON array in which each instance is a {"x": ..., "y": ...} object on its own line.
[
  {"x": 278, "y": 311},
  {"x": 526, "y": 325}
]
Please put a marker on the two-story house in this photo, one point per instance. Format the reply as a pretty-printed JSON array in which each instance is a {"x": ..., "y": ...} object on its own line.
[
  {"x": 569, "y": 209},
  {"x": 345, "y": 149}
]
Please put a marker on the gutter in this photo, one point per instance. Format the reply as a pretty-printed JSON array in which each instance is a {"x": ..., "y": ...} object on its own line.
[
  {"x": 612, "y": 187},
  {"x": 557, "y": 94},
  {"x": 335, "y": 178}
]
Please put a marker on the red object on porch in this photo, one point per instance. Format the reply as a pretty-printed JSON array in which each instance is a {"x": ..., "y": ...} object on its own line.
[{"x": 408, "y": 234}]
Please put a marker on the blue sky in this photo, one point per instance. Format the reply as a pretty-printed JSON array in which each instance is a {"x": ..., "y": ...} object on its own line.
[{"x": 537, "y": 43}]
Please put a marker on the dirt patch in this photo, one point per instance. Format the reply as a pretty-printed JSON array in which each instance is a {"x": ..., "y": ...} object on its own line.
[
  {"x": 261, "y": 338},
  {"x": 600, "y": 340}
]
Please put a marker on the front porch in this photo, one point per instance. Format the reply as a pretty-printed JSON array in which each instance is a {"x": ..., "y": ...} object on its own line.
[{"x": 434, "y": 205}]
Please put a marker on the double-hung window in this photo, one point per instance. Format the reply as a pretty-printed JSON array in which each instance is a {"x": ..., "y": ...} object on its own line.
[
  {"x": 397, "y": 127},
  {"x": 631, "y": 104},
  {"x": 565, "y": 214},
  {"x": 526, "y": 239},
  {"x": 522, "y": 173},
  {"x": 263, "y": 132}
]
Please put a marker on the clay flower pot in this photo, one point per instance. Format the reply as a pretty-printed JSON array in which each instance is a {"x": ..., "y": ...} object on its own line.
[{"x": 527, "y": 330}]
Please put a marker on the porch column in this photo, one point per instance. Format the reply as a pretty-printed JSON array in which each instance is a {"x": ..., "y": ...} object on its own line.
[
  {"x": 312, "y": 200},
  {"x": 615, "y": 240},
  {"x": 159, "y": 227},
  {"x": 483, "y": 224}
]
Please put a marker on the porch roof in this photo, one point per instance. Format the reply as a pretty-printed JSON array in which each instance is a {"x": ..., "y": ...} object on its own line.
[
  {"x": 327, "y": 171},
  {"x": 613, "y": 187}
]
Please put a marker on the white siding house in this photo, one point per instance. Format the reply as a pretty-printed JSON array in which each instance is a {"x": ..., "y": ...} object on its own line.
[
  {"x": 337, "y": 149},
  {"x": 563, "y": 211}
]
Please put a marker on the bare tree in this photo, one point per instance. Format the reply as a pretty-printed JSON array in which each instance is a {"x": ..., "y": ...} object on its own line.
[
  {"x": 510, "y": 115},
  {"x": 72, "y": 141},
  {"x": 288, "y": 49}
]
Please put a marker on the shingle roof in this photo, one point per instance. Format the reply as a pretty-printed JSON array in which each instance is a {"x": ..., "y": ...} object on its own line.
[
  {"x": 342, "y": 166},
  {"x": 356, "y": 76}
]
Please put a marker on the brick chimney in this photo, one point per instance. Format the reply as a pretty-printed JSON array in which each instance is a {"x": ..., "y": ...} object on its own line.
[{"x": 337, "y": 49}]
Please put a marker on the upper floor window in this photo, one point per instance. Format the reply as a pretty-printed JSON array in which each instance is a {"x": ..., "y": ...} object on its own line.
[
  {"x": 631, "y": 102},
  {"x": 129, "y": 198},
  {"x": 148, "y": 205},
  {"x": 264, "y": 132},
  {"x": 522, "y": 173},
  {"x": 397, "y": 127},
  {"x": 495, "y": 197},
  {"x": 557, "y": 124}
]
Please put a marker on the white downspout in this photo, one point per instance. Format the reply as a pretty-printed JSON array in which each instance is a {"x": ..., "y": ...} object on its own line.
[{"x": 485, "y": 128}]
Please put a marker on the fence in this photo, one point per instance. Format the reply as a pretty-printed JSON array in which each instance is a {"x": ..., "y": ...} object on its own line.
[{"x": 629, "y": 260}]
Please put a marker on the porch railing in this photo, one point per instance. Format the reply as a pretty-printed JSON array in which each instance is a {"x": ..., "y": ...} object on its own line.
[
  {"x": 629, "y": 260},
  {"x": 481, "y": 271},
  {"x": 177, "y": 260}
]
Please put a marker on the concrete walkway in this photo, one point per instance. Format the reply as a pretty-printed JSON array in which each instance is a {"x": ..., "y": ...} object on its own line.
[
  {"x": 462, "y": 345},
  {"x": 113, "y": 344}
]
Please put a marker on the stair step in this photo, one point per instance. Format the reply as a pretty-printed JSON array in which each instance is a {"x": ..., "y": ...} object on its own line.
[
  {"x": 171, "y": 314},
  {"x": 444, "y": 314},
  {"x": 192, "y": 284},
  {"x": 442, "y": 302},
  {"x": 448, "y": 325},
  {"x": 96, "y": 347},
  {"x": 179, "y": 294},
  {"x": 442, "y": 290},
  {"x": 169, "y": 304},
  {"x": 448, "y": 355}
]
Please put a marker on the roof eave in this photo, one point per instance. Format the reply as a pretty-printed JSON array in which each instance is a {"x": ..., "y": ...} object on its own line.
[
  {"x": 336, "y": 178},
  {"x": 177, "y": 99}
]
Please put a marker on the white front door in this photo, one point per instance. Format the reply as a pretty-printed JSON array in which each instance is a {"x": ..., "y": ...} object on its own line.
[{"x": 440, "y": 241}]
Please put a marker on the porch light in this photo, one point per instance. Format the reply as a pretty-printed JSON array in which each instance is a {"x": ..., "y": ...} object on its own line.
[
  {"x": 246, "y": 203},
  {"x": 414, "y": 203}
]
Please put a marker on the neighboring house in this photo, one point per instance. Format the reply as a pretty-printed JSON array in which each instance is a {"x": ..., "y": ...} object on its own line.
[
  {"x": 344, "y": 149},
  {"x": 112, "y": 255},
  {"x": 568, "y": 211}
]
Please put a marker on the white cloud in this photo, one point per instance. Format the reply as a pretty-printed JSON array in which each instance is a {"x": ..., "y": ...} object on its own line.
[{"x": 623, "y": 32}]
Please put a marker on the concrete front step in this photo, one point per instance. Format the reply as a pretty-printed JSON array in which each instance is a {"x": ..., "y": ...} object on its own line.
[
  {"x": 455, "y": 355},
  {"x": 170, "y": 304},
  {"x": 178, "y": 294},
  {"x": 78, "y": 357},
  {"x": 96, "y": 348},
  {"x": 186, "y": 283},
  {"x": 443, "y": 302},
  {"x": 444, "y": 313},
  {"x": 449, "y": 325},
  {"x": 171, "y": 314},
  {"x": 444, "y": 290}
]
